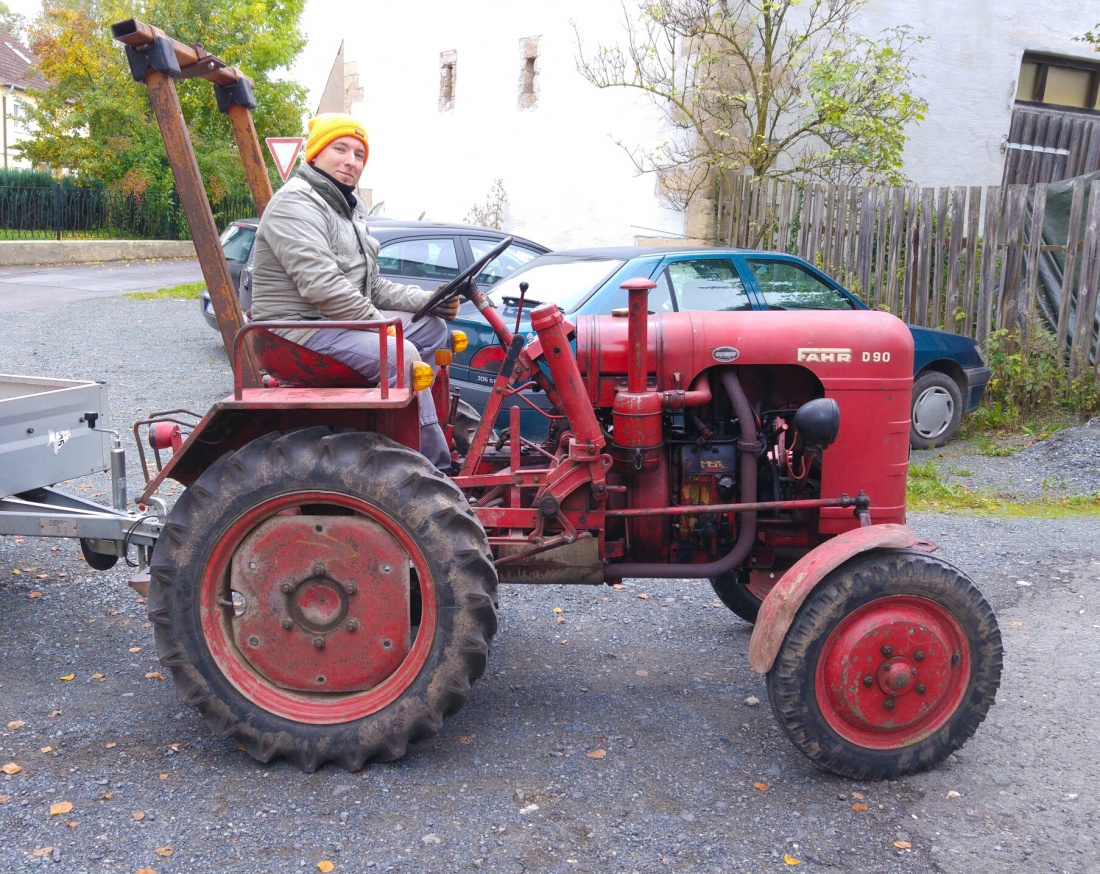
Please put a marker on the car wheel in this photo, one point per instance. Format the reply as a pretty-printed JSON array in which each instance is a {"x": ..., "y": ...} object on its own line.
[{"x": 936, "y": 411}]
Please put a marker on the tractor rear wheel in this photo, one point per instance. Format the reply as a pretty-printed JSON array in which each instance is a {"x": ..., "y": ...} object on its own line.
[
  {"x": 324, "y": 597},
  {"x": 890, "y": 665}
]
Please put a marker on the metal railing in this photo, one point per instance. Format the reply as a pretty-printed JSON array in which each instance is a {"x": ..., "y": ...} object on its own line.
[{"x": 58, "y": 212}]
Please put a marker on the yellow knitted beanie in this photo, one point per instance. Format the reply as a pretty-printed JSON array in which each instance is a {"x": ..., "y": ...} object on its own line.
[{"x": 329, "y": 126}]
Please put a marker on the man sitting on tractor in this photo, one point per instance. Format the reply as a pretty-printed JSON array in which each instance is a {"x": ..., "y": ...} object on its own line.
[{"x": 316, "y": 260}]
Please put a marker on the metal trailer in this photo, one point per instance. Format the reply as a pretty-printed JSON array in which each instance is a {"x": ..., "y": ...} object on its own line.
[{"x": 48, "y": 435}]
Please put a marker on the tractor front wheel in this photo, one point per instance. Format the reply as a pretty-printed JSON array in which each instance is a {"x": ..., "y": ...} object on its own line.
[
  {"x": 744, "y": 591},
  {"x": 324, "y": 597},
  {"x": 890, "y": 665}
]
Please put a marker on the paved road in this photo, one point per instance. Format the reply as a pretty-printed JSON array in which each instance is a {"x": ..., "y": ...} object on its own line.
[{"x": 24, "y": 288}]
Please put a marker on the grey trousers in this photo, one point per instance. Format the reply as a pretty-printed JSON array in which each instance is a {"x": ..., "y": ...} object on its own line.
[{"x": 359, "y": 350}]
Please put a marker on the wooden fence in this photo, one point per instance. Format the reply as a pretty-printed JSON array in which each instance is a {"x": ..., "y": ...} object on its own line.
[{"x": 962, "y": 259}]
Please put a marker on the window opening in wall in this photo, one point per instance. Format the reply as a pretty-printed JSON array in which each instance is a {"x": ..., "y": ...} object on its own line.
[
  {"x": 19, "y": 115},
  {"x": 448, "y": 71},
  {"x": 529, "y": 72},
  {"x": 1053, "y": 81}
]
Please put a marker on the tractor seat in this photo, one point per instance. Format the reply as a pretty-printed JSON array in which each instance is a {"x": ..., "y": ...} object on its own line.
[{"x": 293, "y": 364}]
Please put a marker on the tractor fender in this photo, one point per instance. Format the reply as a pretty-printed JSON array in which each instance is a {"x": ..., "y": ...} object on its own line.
[{"x": 781, "y": 604}]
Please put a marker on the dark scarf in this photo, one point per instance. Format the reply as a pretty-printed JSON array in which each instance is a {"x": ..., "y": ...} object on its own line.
[{"x": 347, "y": 190}]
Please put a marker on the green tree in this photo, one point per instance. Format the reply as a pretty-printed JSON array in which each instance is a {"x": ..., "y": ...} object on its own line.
[
  {"x": 778, "y": 87},
  {"x": 96, "y": 121}
]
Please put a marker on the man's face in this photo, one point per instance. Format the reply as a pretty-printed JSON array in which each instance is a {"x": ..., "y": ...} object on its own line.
[{"x": 343, "y": 159}]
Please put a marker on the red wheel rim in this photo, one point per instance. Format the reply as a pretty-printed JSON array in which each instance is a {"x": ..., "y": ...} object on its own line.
[
  {"x": 762, "y": 582},
  {"x": 217, "y": 617},
  {"x": 893, "y": 672}
]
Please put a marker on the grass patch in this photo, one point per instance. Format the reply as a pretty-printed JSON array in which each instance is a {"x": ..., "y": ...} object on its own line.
[
  {"x": 926, "y": 492},
  {"x": 187, "y": 291}
]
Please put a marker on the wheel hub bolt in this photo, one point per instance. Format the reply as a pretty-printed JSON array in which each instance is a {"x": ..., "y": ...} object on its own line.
[
  {"x": 253, "y": 641},
  {"x": 288, "y": 623},
  {"x": 887, "y": 650},
  {"x": 319, "y": 642},
  {"x": 954, "y": 658},
  {"x": 868, "y": 681},
  {"x": 918, "y": 655},
  {"x": 352, "y": 625},
  {"x": 286, "y": 588},
  {"x": 351, "y": 588},
  {"x": 386, "y": 568},
  {"x": 921, "y": 688},
  {"x": 888, "y": 703}
]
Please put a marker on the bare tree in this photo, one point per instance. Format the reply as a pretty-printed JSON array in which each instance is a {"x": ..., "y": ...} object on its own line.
[{"x": 775, "y": 87}]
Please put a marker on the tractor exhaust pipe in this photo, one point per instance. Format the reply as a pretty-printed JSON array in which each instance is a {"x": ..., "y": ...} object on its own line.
[{"x": 746, "y": 529}]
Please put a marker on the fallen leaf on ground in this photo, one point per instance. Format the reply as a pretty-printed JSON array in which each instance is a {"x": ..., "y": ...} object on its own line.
[
  {"x": 73, "y": 824},
  {"x": 763, "y": 787},
  {"x": 558, "y": 610},
  {"x": 11, "y": 769},
  {"x": 903, "y": 845},
  {"x": 16, "y": 724},
  {"x": 100, "y": 677},
  {"x": 146, "y": 871},
  {"x": 466, "y": 740},
  {"x": 53, "y": 713},
  {"x": 135, "y": 649},
  {"x": 35, "y": 595},
  {"x": 163, "y": 776},
  {"x": 68, "y": 677},
  {"x": 791, "y": 860},
  {"x": 642, "y": 596},
  {"x": 60, "y": 807},
  {"x": 4, "y": 799},
  {"x": 138, "y": 815},
  {"x": 154, "y": 675},
  {"x": 858, "y": 796},
  {"x": 597, "y": 754},
  {"x": 951, "y": 793},
  {"x": 110, "y": 745},
  {"x": 41, "y": 851},
  {"x": 561, "y": 620},
  {"x": 325, "y": 866},
  {"x": 859, "y": 808},
  {"x": 642, "y": 673},
  {"x": 175, "y": 747},
  {"x": 165, "y": 852},
  {"x": 46, "y": 749}
]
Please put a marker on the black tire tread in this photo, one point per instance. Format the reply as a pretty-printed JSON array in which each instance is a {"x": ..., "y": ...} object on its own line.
[
  {"x": 439, "y": 519},
  {"x": 864, "y": 578}
]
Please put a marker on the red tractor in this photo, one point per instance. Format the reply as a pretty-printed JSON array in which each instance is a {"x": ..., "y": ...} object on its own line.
[{"x": 320, "y": 592}]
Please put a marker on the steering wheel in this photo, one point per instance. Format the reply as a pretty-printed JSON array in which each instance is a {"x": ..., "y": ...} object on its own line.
[{"x": 453, "y": 288}]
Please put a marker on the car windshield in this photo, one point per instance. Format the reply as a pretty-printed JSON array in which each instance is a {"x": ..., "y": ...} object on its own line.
[
  {"x": 237, "y": 242},
  {"x": 564, "y": 282}
]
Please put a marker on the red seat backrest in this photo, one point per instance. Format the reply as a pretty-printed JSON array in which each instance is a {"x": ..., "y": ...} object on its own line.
[{"x": 293, "y": 364}]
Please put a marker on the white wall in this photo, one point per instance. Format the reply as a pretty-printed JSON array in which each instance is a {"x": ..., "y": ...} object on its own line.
[
  {"x": 567, "y": 182},
  {"x": 969, "y": 66}
]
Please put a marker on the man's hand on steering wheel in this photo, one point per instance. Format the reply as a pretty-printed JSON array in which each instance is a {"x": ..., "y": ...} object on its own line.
[
  {"x": 447, "y": 310},
  {"x": 460, "y": 283}
]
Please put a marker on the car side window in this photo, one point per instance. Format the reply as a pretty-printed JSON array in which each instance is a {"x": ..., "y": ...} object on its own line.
[
  {"x": 237, "y": 242},
  {"x": 660, "y": 298},
  {"x": 514, "y": 256},
  {"x": 434, "y": 259},
  {"x": 789, "y": 286},
  {"x": 707, "y": 284}
]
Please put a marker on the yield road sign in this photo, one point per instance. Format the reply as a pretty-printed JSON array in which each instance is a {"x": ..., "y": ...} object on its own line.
[{"x": 285, "y": 151}]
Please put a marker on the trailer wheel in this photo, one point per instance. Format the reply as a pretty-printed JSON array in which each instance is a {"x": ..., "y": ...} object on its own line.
[
  {"x": 890, "y": 665},
  {"x": 324, "y": 597},
  {"x": 743, "y": 591}
]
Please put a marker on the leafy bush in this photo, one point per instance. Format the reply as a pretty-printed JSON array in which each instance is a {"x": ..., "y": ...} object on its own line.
[{"x": 1031, "y": 380}]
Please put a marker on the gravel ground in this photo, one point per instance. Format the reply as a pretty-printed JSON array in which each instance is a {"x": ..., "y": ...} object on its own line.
[{"x": 659, "y": 684}]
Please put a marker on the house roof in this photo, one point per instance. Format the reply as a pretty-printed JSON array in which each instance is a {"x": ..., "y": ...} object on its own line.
[{"x": 17, "y": 64}]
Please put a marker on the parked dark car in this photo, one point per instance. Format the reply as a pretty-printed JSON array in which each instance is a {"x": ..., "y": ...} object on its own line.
[
  {"x": 413, "y": 252},
  {"x": 949, "y": 372}
]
